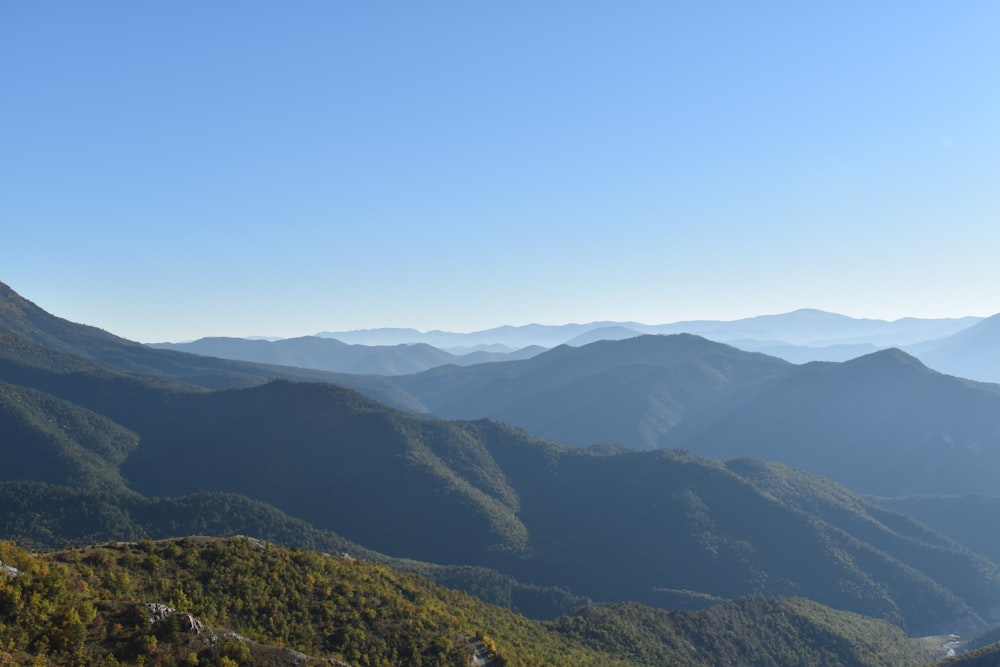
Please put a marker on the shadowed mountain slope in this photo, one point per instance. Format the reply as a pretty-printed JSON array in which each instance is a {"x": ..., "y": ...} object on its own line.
[
  {"x": 31, "y": 337},
  {"x": 51, "y": 440},
  {"x": 883, "y": 424},
  {"x": 638, "y": 526},
  {"x": 969, "y": 520},
  {"x": 645, "y": 526},
  {"x": 630, "y": 391}
]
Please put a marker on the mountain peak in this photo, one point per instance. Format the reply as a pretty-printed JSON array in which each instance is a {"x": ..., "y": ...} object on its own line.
[{"x": 888, "y": 360}]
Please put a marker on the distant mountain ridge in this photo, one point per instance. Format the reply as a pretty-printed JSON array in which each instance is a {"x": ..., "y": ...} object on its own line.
[
  {"x": 804, "y": 327},
  {"x": 329, "y": 354},
  {"x": 972, "y": 353}
]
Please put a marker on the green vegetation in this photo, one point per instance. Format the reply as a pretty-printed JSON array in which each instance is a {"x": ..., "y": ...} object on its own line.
[
  {"x": 601, "y": 524},
  {"x": 242, "y": 601},
  {"x": 101, "y": 454},
  {"x": 969, "y": 520},
  {"x": 44, "y": 516},
  {"x": 988, "y": 656},
  {"x": 751, "y": 631},
  {"x": 89, "y": 606}
]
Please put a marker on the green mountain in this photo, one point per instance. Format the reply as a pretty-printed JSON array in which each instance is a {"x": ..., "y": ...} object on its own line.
[
  {"x": 647, "y": 526},
  {"x": 666, "y": 528},
  {"x": 988, "y": 656},
  {"x": 748, "y": 631},
  {"x": 242, "y": 601},
  {"x": 52, "y": 440},
  {"x": 969, "y": 520}
]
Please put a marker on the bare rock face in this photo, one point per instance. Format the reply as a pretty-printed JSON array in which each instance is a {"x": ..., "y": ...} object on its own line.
[
  {"x": 11, "y": 572},
  {"x": 160, "y": 612}
]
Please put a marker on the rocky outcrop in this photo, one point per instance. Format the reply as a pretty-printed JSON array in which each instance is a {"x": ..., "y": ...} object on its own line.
[
  {"x": 11, "y": 572},
  {"x": 161, "y": 612}
]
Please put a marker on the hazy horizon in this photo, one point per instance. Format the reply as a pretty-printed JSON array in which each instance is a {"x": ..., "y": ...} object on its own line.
[{"x": 248, "y": 169}]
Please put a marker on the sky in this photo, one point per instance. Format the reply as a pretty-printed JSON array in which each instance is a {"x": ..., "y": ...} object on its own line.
[{"x": 173, "y": 170}]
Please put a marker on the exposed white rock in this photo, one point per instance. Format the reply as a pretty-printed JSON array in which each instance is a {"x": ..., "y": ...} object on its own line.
[{"x": 11, "y": 572}]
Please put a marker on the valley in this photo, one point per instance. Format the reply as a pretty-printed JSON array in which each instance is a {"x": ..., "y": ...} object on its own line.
[{"x": 619, "y": 494}]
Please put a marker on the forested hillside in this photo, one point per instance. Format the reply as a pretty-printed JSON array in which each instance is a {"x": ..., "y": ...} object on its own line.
[
  {"x": 241, "y": 601},
  {"x": 94, "y": 453}
]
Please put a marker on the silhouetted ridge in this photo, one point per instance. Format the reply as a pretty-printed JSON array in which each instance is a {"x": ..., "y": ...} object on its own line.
[
  {"x": 23, "y": 324},
  {"x": 23, "y": 318}
]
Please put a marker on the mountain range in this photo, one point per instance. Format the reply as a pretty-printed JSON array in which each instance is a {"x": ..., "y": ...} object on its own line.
[
  {"x": 328, "y": 354},
  {"x": 967, "y": 347},
  {"x": 804, "y": 327},
  {"x": 882, "y": 424},
  {"x": 104, "y": 439}
]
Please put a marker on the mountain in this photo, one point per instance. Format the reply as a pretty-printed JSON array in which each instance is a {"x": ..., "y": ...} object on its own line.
[
  {"x": 817, "y": 328},
  {"x": 34, "y": 341},
  {"x": 988, "y": 656},
  {"x": 883, "y": 424},
  {"x": 513, "y": 337},
  {"x": 328, "y": 354},
  {"x": 748, "y": 631},
  {"x": 802, "y": 354},
  {"x": 242, "y": 601},
  {"x": 805, "y": 327},
  {"x": 971, "y": 353},
  {"x": 970, "y": 520},
  {"x": 666, "y": 528},
  {"x": 52, "y": 440},
  {"x": 484, "y": 494},
  {"x": 630, "y": 391},
  {"x": 603, "y": 333}
]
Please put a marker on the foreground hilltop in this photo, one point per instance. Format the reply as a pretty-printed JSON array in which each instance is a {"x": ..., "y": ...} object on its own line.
[{"x": 242, "y": 601}]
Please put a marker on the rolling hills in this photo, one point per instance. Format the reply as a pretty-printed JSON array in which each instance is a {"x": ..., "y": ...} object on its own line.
[{"x": 100, "y": 451}]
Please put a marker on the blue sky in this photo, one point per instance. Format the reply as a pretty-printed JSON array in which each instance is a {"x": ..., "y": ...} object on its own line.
[{"x": 172, "y": 170}]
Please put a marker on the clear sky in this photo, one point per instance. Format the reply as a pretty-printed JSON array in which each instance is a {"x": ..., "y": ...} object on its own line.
[{"x": 171, "y": 170}]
